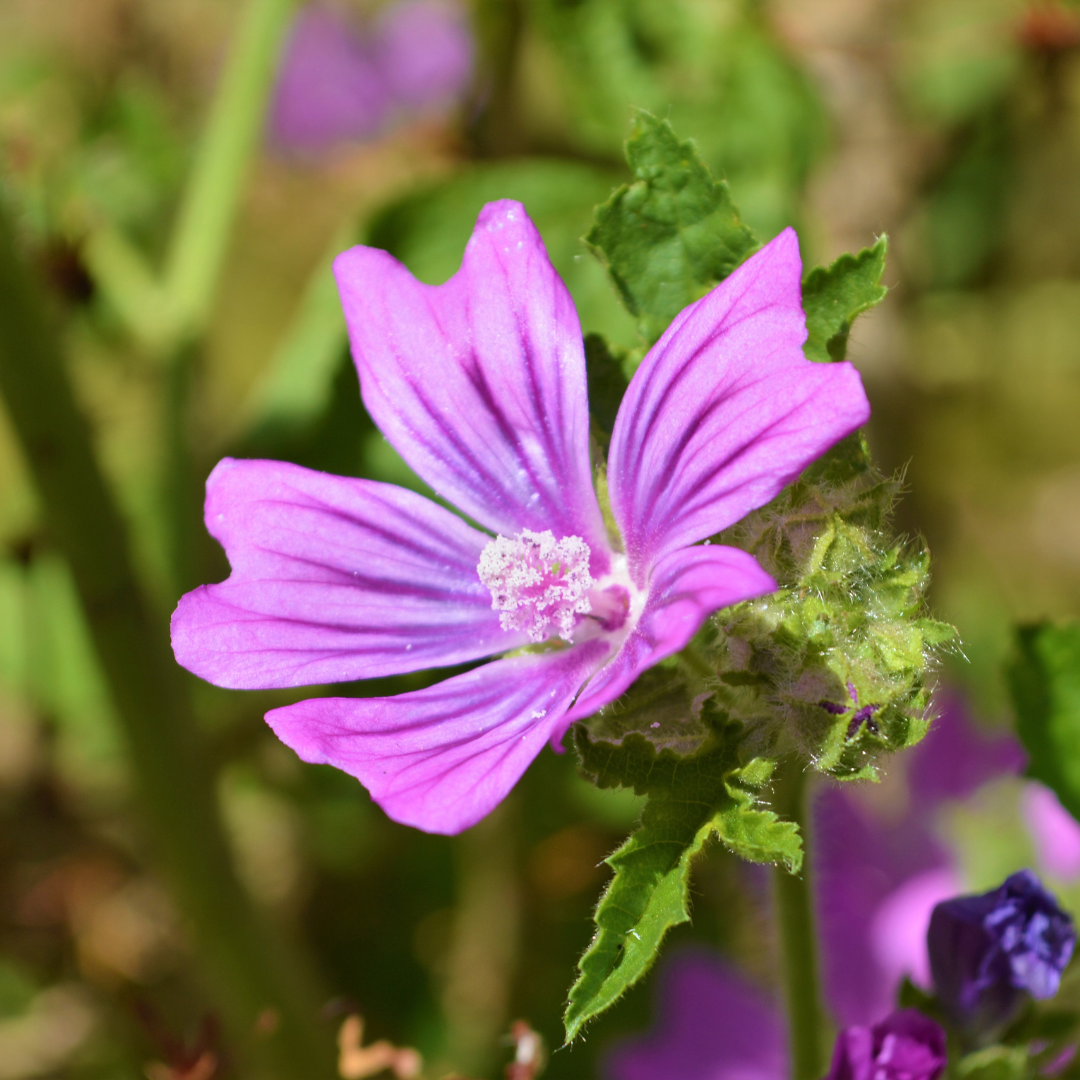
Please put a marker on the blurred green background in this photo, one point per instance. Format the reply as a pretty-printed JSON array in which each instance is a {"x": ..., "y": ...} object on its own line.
[{"x": 952, "y": 125}]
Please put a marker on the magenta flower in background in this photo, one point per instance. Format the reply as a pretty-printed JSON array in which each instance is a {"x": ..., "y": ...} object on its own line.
[
  {"x": 1054, "y": 830},
  {"x": 425, "y": 52},
  {"x": 329, "y": 89},
  {"x": 904, "y": 1046},
  {"x": 341, "y": 83},
  {"x": 479, "y": 384},
  {"x": 712, "y": 1024},
  {"x": 877, "y": 880}
]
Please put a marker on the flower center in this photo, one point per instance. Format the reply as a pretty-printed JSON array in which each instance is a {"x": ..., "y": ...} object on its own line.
[{"x": 539, "y": 584}]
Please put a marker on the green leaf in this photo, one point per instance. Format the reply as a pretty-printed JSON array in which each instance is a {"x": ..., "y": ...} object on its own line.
[
  {"x": 607, "y": 382},
  {"x": 729, "y": 78},
  {"x": 691, "y": 798},
  {"x": 1044, "y": 679},
  {"x": 833, "y": 296},
  {"x": 671, "y": 235}
]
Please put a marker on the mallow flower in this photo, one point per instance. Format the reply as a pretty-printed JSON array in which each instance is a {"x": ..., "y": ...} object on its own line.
[
  {"x": 480, "y": 386},
  {"x": 340, "y": 82},
  {"x": 904, "y": 1046},
  {"x": 713, "y": 1024},
  {"x": 988, "y": 951},
  {"x": 878, "y": 876}
]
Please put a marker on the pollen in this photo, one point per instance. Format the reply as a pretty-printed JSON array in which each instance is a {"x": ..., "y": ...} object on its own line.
[{"x": 539, "y": 584}]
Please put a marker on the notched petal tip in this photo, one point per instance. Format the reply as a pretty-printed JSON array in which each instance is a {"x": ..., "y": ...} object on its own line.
[{"x": 501, "y": 213}]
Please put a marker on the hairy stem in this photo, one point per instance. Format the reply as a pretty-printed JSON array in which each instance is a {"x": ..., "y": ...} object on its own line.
[
  {"x": 793, "y": 903},
  {"x": 248, "y": 970}
]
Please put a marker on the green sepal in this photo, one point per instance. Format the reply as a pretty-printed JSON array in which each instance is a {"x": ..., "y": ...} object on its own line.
[
  {"x": 672, "y": 234},
  {"x": 835, "y": 664},
  {"x": 691, "y": 799},
  {"x": 834, "y": 296},
  {"x": 1044, "y": 680}
]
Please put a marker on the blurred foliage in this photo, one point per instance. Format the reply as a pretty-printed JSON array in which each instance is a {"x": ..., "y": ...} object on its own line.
[
  {"x": 1045, "y": 681},
  {"x": 953, "y": 125}
]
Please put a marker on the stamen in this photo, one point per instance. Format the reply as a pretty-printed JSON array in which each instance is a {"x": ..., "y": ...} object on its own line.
[{"x": 539, "y": 584}]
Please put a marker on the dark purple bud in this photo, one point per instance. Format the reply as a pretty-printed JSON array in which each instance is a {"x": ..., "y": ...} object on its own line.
[
  {"x": 905, "y": 1046},
  {"x": 988, "y": 951}
]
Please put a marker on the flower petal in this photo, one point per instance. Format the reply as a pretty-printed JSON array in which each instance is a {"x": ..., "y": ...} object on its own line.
[
  {"x": 480, "y": 383},
  {"x": 332, "y": 579},
  {"x": 725, "y": 410},
  {"x": 440, "y": 759},
  {"x": 686, "y": 587}
]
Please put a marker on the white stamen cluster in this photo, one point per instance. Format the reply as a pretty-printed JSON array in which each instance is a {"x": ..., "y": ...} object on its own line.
[{"x": 539, "y": 584}]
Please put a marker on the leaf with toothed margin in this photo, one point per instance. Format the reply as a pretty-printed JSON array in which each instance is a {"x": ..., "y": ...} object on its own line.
[
  {"x": 691, "y": 799},
  {"x": 672, "y": 234},
  {"x": 833, "y": 296}
]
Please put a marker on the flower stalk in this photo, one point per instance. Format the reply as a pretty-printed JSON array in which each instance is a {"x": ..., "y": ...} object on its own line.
[
  {"x": 247, "y": 969},
  {"x": 796, "y": 941}
]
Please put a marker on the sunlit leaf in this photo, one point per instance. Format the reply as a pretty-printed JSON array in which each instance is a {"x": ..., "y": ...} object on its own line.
[
  {"x": 691, "y": 799},
  {"x": 672, "y": 234},
  {"x": 833, "y": 296}
]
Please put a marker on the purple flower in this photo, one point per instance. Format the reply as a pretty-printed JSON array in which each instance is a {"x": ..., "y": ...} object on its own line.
[
  {"x": 425, "y": 52},
  {"x": 958, "y": 756},
  {"x": 330, "y": 89},
  {"x": 987, "y": 951},
  {"x": 480, "y": 386},
  {"x": 877, "y": 878},
  {"x": 905, "y": 1046},
  {"x": 338, "y": 84},
  {"x": 712, "y": 1025},
  {"x": 1054, "y": 830}
]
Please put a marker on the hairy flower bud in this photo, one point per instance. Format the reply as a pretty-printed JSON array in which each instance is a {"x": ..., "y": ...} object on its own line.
[
  {"x": 905, "y": 1046},
  {"x": 988, "y": 951},
  {"x": 841, "y": 654}
]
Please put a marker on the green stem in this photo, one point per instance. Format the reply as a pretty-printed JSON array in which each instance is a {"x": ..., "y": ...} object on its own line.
[
  {"x": 203, "y": 225},
  {"x": 793, "y": 903},
  {"x": 498, "y": 26},
  {"x": 247, "y": 969}
]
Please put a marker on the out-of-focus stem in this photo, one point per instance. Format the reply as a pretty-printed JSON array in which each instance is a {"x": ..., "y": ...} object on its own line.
[
  {"x": 203, "y": 226},
  {"x": 797, "y": 943},
  {"x": 498, "y": 26},
  {"x": 247, "y": 969},
  {"x": 484, "y": 949}
]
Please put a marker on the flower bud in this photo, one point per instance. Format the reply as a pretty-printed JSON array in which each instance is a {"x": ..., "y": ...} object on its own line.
[
  {"x": 988, "y": 951},
  {"x": 905, "y": 1046}
]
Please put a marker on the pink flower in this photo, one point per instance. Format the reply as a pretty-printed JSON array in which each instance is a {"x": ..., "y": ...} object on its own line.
[
  {"x": 330, "y": 88},
  {"x": 1054, "y": 830},
  {"x": 480, "y": 386},
  {"x": 341, "y": 82}
]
